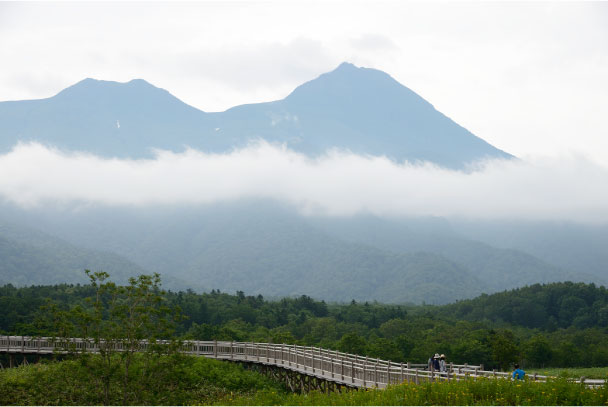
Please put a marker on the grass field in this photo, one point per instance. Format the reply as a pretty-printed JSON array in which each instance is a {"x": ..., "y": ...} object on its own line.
[
  {"x": 575, "y": 372},
  {"x": 468, "y": 392},
  {"x": 200, "y": 381}
]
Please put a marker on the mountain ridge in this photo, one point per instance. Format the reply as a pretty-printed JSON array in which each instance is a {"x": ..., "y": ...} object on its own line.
[{"x": 363, "y": 110}]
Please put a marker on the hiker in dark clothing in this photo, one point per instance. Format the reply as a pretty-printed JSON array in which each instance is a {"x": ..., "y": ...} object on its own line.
[{"x": 434, "y": 363}]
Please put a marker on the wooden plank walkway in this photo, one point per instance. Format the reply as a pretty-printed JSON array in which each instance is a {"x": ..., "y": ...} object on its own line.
[{"x": 330, "y": 365}]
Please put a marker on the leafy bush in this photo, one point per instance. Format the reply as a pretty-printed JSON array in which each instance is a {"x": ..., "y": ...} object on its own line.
[{"x": 179, "y": 380}]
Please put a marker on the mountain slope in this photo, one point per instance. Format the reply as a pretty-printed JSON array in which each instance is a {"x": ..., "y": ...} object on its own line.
[
  {"x": 358, "y": 109},
  {"x": 32, "y": 257},
  {"x": 264, "y": 247},
  {"x": 362, "y": 110},
  {"x": 577, "y": 247},
  {"x": 497, "y": 268},
  {"x": 104, "y": 118}
]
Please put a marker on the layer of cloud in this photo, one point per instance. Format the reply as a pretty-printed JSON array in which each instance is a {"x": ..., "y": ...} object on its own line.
[{"x": 336, "y": 184}]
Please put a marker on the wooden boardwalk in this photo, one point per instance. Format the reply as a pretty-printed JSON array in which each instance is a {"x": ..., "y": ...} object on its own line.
[{"x": 339, "y": 368}]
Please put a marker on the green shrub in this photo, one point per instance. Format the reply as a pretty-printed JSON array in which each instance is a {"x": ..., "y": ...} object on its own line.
[{"x": 178, "y": 380}]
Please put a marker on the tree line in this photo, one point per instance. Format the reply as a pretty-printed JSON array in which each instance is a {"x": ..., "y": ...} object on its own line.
[{"x": 558, "y": 324}]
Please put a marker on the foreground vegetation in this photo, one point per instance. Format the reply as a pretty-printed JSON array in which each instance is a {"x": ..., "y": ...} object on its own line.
[
  {"x": 482, "y": 331},
  {"x": 587, "y": 372},
  {"x": 175, "y": 380},
  {"x": 471, "y": 392},
  {"x": 185, "y": 380}
]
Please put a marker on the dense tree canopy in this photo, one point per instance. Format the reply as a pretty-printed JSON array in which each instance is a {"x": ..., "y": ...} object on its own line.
[{"x": 561, "y": 324}]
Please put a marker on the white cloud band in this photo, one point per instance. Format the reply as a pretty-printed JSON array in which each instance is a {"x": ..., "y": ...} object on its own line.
[{"x": 336, "y": 184}]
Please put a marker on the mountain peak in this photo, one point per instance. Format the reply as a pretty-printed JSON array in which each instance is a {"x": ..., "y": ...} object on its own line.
[
  {"x": 347, "y": 84},
  {"x": 361, "y": 109},
  {"x": 88, "y": 85},
  {"x": 344, "y": 66}
]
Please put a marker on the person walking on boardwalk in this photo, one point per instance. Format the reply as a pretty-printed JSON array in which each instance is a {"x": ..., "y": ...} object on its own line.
[
  {"x": 442, "y": 365},
  {"x": 518, "y": 374},
  {"x": 434, "y": 363}
]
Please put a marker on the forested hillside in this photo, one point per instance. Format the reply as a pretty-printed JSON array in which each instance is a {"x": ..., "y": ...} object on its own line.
[
  {"x": 264, "y": 247},
  {"x": 31, "y": 257},
  {"x": 546, "y": 306}
]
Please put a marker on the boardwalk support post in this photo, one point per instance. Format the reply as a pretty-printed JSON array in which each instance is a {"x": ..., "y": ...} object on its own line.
[{"x": 376, "y": 374}]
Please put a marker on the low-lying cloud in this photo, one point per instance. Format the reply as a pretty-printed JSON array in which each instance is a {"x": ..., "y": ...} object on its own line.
[{"x": 336, "y": 184}]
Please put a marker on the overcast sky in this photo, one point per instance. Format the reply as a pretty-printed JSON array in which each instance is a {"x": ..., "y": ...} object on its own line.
[{"x": 530, "y": 78}]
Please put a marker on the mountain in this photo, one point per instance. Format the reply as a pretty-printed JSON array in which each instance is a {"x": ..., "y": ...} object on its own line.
[
  {"x": 578, "y": 247},
  {"x": 498, "y": 268},
  {"x": 266, "y": 248},
  {"x": 358, "y": 109},
  {"x": 104, "y": 118},
  {"x": 259, "y": 248},
  {"x": 363, "y": 110},
  {"x": 31, "y": 257}
]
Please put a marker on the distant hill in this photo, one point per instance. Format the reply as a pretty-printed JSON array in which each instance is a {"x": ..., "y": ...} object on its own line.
[
  {"x": 581, "y": 248},
  {"x": 266, "y": 248},
  {"x": 31, "y": 257},
  {"x": 548, "y": 306},
  {"x": 497, "y": 268},
  {"x": 359, "y": 109}
]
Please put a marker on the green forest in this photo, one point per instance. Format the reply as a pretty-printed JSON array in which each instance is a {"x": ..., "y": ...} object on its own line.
[
  {"x": 539, "y": 326},
  {"x": 558, "y": 325}
]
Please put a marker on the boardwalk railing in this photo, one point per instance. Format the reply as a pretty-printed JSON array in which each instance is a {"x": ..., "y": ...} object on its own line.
[{"x": 343, "y": 368}]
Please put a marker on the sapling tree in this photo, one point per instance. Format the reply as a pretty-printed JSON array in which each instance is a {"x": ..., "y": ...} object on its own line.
[{"x": 121, "y": 323}]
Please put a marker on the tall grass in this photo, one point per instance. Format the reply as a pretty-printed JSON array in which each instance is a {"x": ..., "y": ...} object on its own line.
[
  {"x": 200, "y": 381},
  {"x": 469, "y": 392},
  {"x": 575, "y": 372}
]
